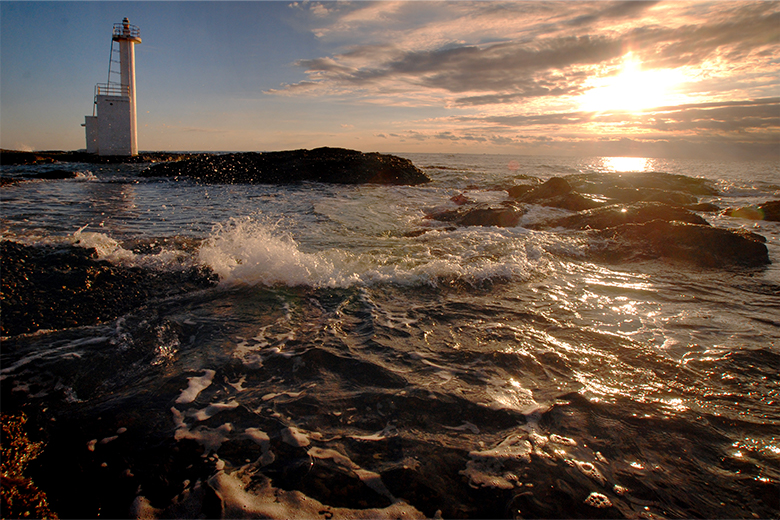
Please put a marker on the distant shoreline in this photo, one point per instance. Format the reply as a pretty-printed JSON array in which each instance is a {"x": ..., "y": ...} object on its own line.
[{"x": 17, "y": 157}]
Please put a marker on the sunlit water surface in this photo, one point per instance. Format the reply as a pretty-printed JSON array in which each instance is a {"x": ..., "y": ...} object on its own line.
[{"x": 500, "y": 370}]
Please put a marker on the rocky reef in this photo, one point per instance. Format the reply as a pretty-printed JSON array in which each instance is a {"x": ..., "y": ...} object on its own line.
[
  {"x": 51, "y": 287},
  {"x": 636, "y": 216},
  {"x": 332, "y": 165}
]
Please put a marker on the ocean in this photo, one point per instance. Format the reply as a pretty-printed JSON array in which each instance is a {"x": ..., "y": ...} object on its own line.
[{"x": 354, "y": 358}]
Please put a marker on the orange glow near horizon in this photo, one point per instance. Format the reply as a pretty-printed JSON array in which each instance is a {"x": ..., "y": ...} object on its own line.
[
  {"x": 626, "y": 164},
  {"x": 633, "y": 89}
]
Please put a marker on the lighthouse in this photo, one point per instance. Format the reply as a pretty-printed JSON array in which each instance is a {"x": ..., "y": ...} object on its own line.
[{"x": 112, "y": 127}]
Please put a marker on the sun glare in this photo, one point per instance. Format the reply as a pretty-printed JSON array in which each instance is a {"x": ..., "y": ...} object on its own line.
[
  {"x": 633, "y": 89},
  {"x": 626, "y": 164}
]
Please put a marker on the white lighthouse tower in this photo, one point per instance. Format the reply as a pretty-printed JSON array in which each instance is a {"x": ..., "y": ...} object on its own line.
[{"x": 111, "y": 129}]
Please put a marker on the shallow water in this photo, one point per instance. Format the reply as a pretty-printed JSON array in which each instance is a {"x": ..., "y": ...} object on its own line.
[{"x": 342, "y": 367}]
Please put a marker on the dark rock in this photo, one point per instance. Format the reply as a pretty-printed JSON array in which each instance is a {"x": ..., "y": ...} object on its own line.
[
  {"x": 481, "y": 215},
  {"x": 701, "y": 245},
  {"x": 519, "y": 190},
  {"x": 572, "y": 201},
  {"x": 554, "y": 187},
  {"x": 619, "y": 214},
  {"x": 58, "y": 287},
  {"x": 15, "y": 157},
  {"x": 629, "y": 195},
  {"x": 556, "y": 193},
  {"x": 766, "y": 211},
  {"x": 333, "y": 165},
  {"x": 602, "y": 182}
]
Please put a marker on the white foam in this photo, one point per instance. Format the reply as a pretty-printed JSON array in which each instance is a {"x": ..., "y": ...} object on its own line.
[
  {"x": 111, "y": 250},
  {"x": 269, "y": 502},
  {"x": 598, "y": 500},
  {"x": 195, "y": 386},
  {"x": 247, "y": 251},
  {"x": 294, "y": 437},
  {"x": 211, "y": 410}
]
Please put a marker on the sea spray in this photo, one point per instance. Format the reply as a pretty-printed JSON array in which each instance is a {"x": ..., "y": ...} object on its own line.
[{"x": 249, "y": 251}]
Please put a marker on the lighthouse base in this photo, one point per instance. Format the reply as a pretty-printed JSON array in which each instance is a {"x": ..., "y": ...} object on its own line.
[{"x": 110, "y": 132}]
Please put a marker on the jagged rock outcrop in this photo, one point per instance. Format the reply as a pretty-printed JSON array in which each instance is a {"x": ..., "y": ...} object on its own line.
[{"x": 332, "y": 165}]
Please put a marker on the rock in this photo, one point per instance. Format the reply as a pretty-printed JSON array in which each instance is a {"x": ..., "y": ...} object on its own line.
[
  {"x": 701, "y": 245},
  {"x": 56, "y": 174},
  {"x": 628, "y": 195},
  {"x": 15, "y": 157},
  {"x": 619, "y": 214},
  {"x": 333, "y": 165},
  {"x": 556, "y": 193},
  {"x": 602, "y": 182},
  {"x": 56, "y": 287},
  {"x": 766, "y": 211},
  {"x": 554, "y": 187},
  {"x": 481, "y": 215},
  {"x": 519, "y": 190}
]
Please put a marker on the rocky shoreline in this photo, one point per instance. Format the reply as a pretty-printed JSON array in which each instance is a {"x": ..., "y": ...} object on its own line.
[
  {"x": 47, "y": 287},
  {"x": 643, "y": 216},
  {"x": 331, "y": 165}
]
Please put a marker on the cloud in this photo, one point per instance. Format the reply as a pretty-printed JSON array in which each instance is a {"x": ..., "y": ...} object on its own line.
[
  {"x": 511, "y": 73},
  {"x": 556, "y": 62}
]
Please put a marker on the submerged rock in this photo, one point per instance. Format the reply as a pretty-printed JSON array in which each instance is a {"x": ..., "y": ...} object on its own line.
[
  {"x": 333, "y": 165},
  {"x": 57, "y": 287},
  {"x": 701, "y": 245},
  {"x": 480, "y": 215},
  {"x": 766, "y": 211},
  {"x": 619, "y": 214}
]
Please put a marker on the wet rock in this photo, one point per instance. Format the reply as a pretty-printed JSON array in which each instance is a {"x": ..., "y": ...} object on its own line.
[
  {"x": 604, "y": 182},
  {"x": 481, "y": 215},
  {"x": 629, "y": 195},
  {"x": 697, "y": 244},
  {"x": 16, "y": 157},
  {"x": 58, "y": 287},
  {"x": 332, "y": 165},
  {"x": 517, "y": 191},
  {"x": 556, "y": 193},
  {"x": 619, "y": 214},
  {"x": 554, "y": 187},
  {"x": 766, "y": 211}
]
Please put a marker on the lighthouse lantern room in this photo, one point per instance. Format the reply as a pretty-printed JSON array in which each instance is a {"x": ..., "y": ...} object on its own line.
[{"x": 111, "y": 129}]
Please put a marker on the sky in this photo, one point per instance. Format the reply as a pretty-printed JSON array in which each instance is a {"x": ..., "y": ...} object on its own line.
[{"x": 673, "y": 79}]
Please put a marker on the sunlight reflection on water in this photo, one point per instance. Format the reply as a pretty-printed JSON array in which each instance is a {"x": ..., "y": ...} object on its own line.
[{"x": 627, "y": 164}]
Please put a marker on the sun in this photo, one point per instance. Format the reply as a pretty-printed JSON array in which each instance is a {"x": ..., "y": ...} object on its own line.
[{"x": 633, "y": 89}]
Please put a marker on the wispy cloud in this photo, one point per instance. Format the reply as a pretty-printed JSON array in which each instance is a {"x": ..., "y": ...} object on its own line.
[{"x": 524, "y": 65}]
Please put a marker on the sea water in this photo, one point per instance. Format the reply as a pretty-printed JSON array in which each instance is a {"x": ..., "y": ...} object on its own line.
[{"x": 348, "y": 364}]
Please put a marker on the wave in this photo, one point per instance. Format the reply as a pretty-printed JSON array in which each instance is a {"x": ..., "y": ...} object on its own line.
[{"x": 252, "y": 252}]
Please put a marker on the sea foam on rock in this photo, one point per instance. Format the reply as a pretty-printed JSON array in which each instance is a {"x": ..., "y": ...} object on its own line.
[
  {"x": 332, "y": 165},
  {"x": 55, "y": 287}
]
